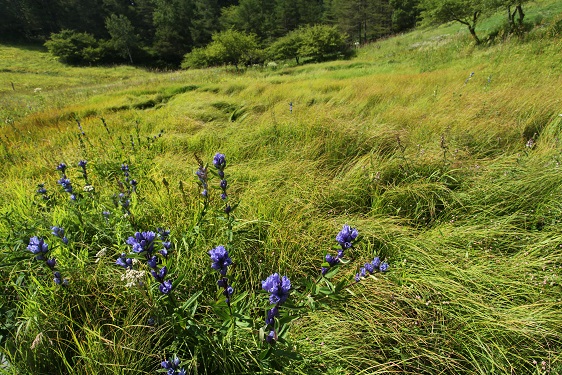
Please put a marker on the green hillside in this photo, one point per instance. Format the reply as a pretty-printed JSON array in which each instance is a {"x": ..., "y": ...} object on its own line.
[{"x": 444, "y": 155}]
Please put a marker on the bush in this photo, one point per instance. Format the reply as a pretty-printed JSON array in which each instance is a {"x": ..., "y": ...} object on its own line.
[
  {"x": 229, "y": 48},
  {"x": 74, "y": 48},
  {"x": 320, "y": 42}
]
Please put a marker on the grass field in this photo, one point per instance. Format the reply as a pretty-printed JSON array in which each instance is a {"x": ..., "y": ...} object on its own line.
[{"x": 444, "y": 155}]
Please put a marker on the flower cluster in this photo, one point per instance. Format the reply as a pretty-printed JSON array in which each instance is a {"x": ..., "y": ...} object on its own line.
[
  {"x": 221, "y": 261},
  {"x": 372, "y": 267},
  {"x": 172, "y": 367},
  {"x": 59, "y": 232},
  {"x": 40, "y": 248},
  {"x": 143, "y": 243},
  {"x": 279, "y": 289},
  {"x": 219, "y": 161},
  {"x": 82, "y": 164},
  {"x": 64, "y": 181},
  {"x": 345, "y": 238},
  {"x": 42, "y": 191}
]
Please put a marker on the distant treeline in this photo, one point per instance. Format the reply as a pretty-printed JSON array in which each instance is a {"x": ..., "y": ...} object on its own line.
[{"x": 161, "y": 32}]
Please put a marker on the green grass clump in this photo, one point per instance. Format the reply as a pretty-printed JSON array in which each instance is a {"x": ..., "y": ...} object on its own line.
[{"x": 445, "y": 155}]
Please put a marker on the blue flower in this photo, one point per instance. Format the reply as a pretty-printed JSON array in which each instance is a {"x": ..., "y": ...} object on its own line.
[
  {"x": 362, "y": 272},
  {"x": 220, "y": 258},
  {"x": 223, "y": 196},
  {"x": 165, "y": 287},
  {"x": 171, "y": 366},
  {"x": 142, "y": 241},
  {"x": 279, "y": 288},
  {"x": 82, "y": 163},
  {"x": 124, "y": 167},
  {"x": 38, "y": 247},
  {"x": 219, "y": 161},
  {"x": 357, "y": 277},
  {"x": 153, "y": 262},
  {"x": 106, "y": 214},
  {"x": 61, "y": 167},
  {"x": 346, "y": 236},
  {"x": 124, "y": 262},
  {"x": 332, "y": 261},
  {"x": 66, "y": 184},
  {"x": 57, "y": 231},
  {"x": 51, "y": 263},
  {"x": 57, "y": 277},
  {"x": 369, "y": 267},
  {"x": 376, "y": 262},
  {"x": 271, "y": 337},
  {"x": 383, "y": 267},
  {"x": 159, "y": 276},
  {"x": 324, "y": 270},
  {"x": 223, "y": 184},
  {"x": 164, "y": 233},
  {"x": 271, "y": 314},
  {"x": 227, "y": 209}
]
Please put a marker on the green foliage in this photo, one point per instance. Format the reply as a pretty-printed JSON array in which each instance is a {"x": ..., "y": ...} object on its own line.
[
  {"x": 228, "y": 48},
  {"x": 321, "y": 42},
  {"x": 123, "y": 38},
  {"x": 73, "y": 47}
]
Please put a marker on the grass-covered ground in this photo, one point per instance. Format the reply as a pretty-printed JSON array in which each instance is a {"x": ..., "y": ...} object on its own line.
[{"x": 444, "y": 155}]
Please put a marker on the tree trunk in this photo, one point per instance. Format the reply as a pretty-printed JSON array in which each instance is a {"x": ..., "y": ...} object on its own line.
[
  {"x": 519, "y": 9},
  {"x": 473, "y": 33}
]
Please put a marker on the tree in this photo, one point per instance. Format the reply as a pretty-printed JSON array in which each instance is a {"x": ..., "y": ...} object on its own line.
[
  {"x": 205, "y": 21},
  {"x": 363, "y": 20},
  {"x": 123, "y": 37},
  {"x": 405, "y": 14},
  {"x": 72, "y": 47},
  {"x": 320, "y": 41},
  {"x": 466, "y": 12},
  {"x": 172, "y": 21},
  {"x": 229, "y": 47},
  {"x": 250, "y": 16},
  {"x": 286, "y": 47}
]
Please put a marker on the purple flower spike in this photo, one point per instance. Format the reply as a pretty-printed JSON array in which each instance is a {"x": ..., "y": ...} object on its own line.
[
  {"x": 369, "y": 267},
  {"x": 165, "y": 287},
  {"x": 159, "y": 276},
  {"x": 219, "y": 161},
  {"x": 142, "y": 241},
  {"x": 346, "y": 236},
  {"x": 271, "y": 337},
  {"x": 332, "y": 261},
  {"x": 278, "y": 287},
  {"x": 271, "y": 314},
  {"x": 220, "y": 258},
  {"x": 376, "y": 262},
  {"x": 37, "y": 246},
  {"x": 383, "y": 267},
  {"x": 51, "y": 263}
]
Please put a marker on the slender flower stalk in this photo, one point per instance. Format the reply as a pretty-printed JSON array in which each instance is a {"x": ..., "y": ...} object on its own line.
[
  {"x": 220, "y": 262},
  {"x": 374, "y": 266},
  {"x": 40, "y": 248},
  {"x": 345, "y": 239},
  {"x": 279, "y": 289}
]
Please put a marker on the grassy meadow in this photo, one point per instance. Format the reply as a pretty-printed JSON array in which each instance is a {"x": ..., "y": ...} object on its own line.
[{"x": 444, "y": 155}]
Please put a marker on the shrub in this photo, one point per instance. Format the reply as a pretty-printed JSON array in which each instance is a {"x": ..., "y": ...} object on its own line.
[
  {"x": 229, "y": 48},
  {"x": 73, "y": 47}
]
